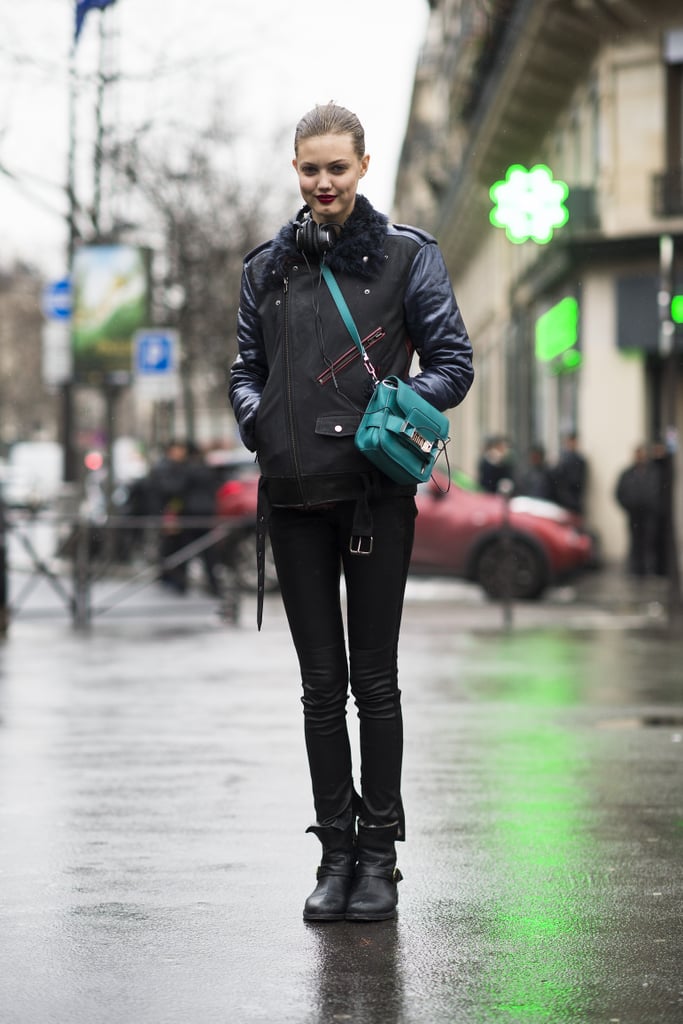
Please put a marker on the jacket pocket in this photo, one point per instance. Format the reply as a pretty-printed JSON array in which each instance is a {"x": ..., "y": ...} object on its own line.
[
  {"x": 338, "y": 426},
  {"x": 350, "y": 356}
]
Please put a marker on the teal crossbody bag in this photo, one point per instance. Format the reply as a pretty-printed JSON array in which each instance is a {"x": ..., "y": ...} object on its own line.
[{"x": 400, "y": 432}]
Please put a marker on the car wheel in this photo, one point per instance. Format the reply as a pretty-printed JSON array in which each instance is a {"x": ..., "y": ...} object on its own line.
[
  {"x": 511, "y": 568},
  {"x": 240, "y": 557}
]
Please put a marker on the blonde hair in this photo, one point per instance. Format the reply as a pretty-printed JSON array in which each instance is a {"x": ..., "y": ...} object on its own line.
[{"x": 330, "y": 119}]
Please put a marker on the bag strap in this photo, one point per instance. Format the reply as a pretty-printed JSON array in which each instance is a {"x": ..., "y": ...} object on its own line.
[{"x": 345, "y": 313}]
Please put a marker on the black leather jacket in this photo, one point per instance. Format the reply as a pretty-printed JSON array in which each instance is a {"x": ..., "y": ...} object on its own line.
[{"x": 298, "y": 387}]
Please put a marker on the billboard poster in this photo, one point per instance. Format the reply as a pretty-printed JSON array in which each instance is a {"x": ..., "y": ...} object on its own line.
[{"x": 110, "y": 303}]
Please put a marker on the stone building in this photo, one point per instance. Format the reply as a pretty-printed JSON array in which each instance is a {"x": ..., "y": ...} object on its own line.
[
  {"x": 567, "y": 334},
  {"x": 28, "y": 411}
]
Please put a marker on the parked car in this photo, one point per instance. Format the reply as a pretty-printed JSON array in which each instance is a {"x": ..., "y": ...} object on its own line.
[{"x": 516, "y": 547}]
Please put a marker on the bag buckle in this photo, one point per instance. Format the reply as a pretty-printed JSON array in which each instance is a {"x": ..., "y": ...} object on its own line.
[
  {"x": 360, "y": 544},
  {"x": 422, "y": 443},
  {"x": 412, "y": 435}
]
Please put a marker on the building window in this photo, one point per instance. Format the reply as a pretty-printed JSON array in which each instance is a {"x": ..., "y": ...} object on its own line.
[
  {"x": 668, "y": 186},
  {"x": 575, "y": 148},
  {"x": 595, "y": 129},
  {"x": 673, "y": 56}
]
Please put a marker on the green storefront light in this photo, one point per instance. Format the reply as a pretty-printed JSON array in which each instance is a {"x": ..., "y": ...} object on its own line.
[
  {"x": 677, "y": 309},
  {"x": 572, "y": 360},
  {"x": 529, "y": 204},
  {"x": 557, "y": 331}
]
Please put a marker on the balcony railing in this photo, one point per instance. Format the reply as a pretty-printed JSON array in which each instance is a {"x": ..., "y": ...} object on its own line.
[
  {"x": 583, "y": 212},
  {"x": 667, "y": 194}
]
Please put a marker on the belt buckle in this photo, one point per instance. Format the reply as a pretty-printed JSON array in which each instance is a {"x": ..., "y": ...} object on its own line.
[{"x": 360, "y": 545}]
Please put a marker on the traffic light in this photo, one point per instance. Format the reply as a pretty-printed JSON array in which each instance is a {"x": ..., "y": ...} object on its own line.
[{"x": 529, "y": 204}]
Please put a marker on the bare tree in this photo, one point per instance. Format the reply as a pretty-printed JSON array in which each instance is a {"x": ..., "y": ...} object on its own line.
[{"x": 202, "y": 220}]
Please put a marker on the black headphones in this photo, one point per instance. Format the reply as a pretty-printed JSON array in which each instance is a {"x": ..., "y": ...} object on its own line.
[{"x": 315, "y": 239}]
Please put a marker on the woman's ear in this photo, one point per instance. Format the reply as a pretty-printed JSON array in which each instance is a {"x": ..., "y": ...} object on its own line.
[{"x": 364, "y": 165}]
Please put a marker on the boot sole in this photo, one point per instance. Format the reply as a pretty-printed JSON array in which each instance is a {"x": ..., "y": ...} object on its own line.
[
  {"x": 321, "y": 918},
  {"x": 374, "y": 917}
]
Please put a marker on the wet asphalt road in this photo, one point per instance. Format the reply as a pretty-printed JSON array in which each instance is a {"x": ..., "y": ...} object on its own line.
[{"x": 154, "y": 796}]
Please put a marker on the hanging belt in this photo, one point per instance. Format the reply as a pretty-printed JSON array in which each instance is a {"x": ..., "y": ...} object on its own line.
[
  {"x": 361, "y": 539},
  {"x": 263, "y": 508}
]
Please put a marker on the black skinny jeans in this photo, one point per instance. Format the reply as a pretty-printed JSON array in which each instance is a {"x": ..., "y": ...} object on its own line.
[{"x": 310, "y": 547}]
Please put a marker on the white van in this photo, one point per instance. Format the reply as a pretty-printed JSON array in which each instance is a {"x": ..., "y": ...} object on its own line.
[{"x": 33, "y": 474}]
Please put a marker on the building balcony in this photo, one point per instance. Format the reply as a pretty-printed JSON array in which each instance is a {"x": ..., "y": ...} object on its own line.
[
  {"x": 667, "y": 194},
  {"x": 583, "y": 210}
]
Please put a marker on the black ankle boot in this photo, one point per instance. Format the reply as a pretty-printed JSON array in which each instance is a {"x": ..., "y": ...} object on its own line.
[
  {"x": 328, "y": 900},
  {"x": 374, "y": 894}
]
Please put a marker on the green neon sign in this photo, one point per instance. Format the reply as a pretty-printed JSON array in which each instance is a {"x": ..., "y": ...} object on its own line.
[
  {"x": 568, "y": 362},
  {"x": 557, "y": 331},
  {"x": 677, "y": 309},
  {"x": 529, "y": 204}
]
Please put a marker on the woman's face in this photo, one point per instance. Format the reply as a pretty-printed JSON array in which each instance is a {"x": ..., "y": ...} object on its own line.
[{"x": 329, "y": 170}]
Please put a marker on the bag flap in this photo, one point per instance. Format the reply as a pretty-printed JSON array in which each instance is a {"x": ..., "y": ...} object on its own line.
[{"x": 416, "y": 410}]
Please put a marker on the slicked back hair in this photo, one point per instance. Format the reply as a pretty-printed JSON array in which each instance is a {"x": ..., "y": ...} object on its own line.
[{"x": 330, "y": 119}]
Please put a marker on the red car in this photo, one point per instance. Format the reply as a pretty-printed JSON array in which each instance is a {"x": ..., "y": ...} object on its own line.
[{"x": 514, "y": 548}]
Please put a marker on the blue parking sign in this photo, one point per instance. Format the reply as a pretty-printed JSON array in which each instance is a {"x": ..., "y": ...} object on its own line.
[{"x": 155, "y": 353}]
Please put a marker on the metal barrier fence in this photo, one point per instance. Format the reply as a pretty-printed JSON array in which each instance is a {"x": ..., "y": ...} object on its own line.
[{"x": 85, "y": 553}]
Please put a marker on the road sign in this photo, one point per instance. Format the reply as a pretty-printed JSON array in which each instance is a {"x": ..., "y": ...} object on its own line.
[
  {"x": 155, "y": 352},
  {"x": 57, "y": 300},
  {"x": 155, "y": 361}
]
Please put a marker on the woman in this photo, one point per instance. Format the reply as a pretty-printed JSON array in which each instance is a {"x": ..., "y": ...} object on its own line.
[{"x": 298, "y": 390}]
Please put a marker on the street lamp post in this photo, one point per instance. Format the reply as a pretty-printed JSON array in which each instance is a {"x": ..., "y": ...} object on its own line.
[{"x": 67, "y": 426}]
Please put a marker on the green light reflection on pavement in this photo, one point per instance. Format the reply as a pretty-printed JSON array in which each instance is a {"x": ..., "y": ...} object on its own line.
[
  {"x": 537, "y": 923},
  {"x": 531, "y": 669}
]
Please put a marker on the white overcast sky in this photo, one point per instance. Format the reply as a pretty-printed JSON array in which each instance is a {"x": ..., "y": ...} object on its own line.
[{"x": 267, "y": 61}]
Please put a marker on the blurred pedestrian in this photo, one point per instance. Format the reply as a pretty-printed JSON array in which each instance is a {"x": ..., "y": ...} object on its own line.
[
  {"x": 495, "y": 463},
  {"x": 570, "y": 475},
  {"x": 200, "y": 502},
  {"x": 536, "y": 479},
  {"x": 638, "y": 491},
  {"x": 662, "y": 461},
  {"x": 298, "y": 392},
  {"x": 136, "y": 505},
  {"x": 166, "y": 494}
]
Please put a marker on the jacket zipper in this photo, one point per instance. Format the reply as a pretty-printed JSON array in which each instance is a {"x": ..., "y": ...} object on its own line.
[
  {"x": 347, "y": 358},
  {"x": 290, "y": 398}
]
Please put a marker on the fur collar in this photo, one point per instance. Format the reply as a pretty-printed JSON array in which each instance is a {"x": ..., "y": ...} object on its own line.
[{"x": 359, "y": 249}]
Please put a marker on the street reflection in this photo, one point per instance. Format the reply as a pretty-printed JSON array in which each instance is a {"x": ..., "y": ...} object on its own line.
[
  {"x": 538, "y": 803},
  {"x": 563, "y": 668},
  {"x": 357, "y": 974}
]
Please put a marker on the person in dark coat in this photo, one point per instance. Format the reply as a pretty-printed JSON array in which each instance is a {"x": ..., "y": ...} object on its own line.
[
  {"x": 662, "y": 461},
  {"x": 200, "y": 502},
  {"x": 298, "y": 390},
  {"x": 638, "y": 492},
  {"x": 536, "y": 479},
  {"x": 166, "y": 494},
  {"x": 495, "y": 463},
  {"x": 570, "y": 475}
]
